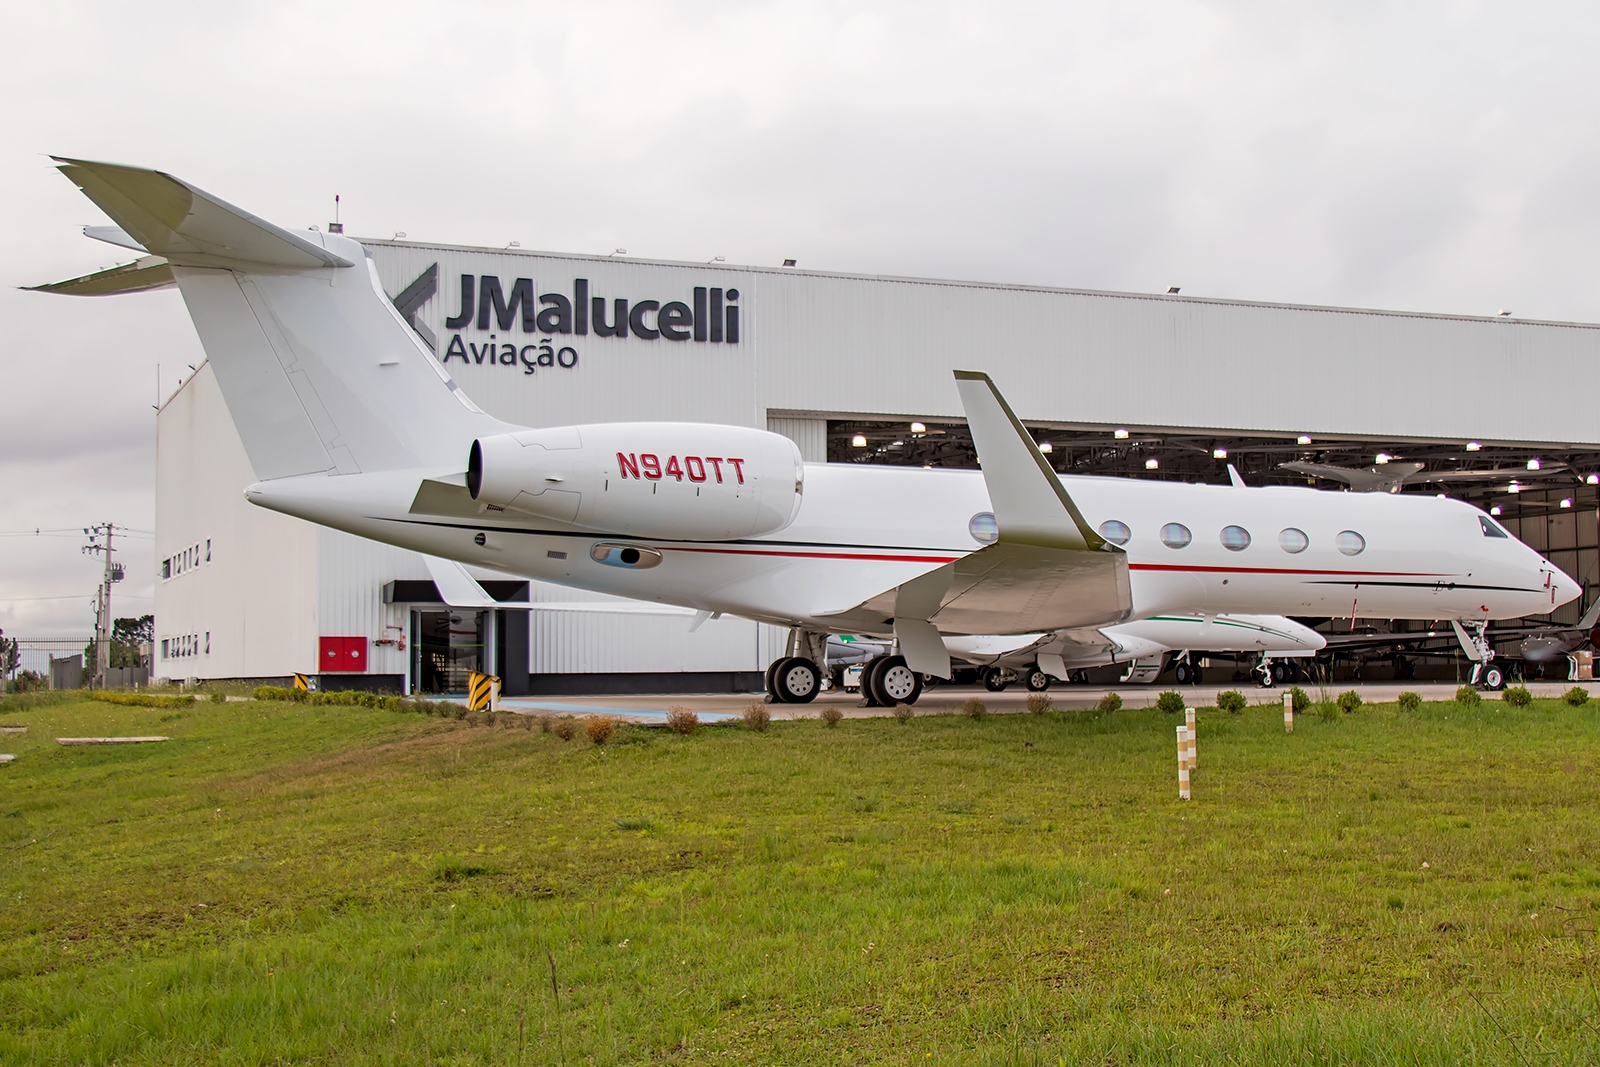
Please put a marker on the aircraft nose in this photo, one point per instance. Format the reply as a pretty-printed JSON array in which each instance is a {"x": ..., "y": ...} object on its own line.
[{"x": 1565, "y": 588}]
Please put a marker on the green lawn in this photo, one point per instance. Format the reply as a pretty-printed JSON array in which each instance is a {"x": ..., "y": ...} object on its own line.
[{"x": 291, "y": 884}]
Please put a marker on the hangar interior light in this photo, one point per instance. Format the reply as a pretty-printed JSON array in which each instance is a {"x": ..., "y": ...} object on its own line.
[
  {"x": 1473, "y": 446},
  {"x": 858, "y": 441},
  {"x": 1566, "y": 502},
  {"x": 1533, "y": 464},
  {"x": 917, "y": 427},
  {"x": 1303, "y": 439},
  {"x": 1152, "y": 464},
  {"x": 1382, "y": 457},
  {"x": 1593, "y": 479},
  {"x": 1219, "y": 453},
  {"x": 1044, "y": 446},
  {"x": 1120, "y": 434}
]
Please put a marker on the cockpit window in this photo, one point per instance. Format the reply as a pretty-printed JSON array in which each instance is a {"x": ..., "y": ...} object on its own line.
[{"x": 1490, "y": 527}]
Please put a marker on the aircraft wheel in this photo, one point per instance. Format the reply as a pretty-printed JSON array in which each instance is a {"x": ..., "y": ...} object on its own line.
[
  {"x": 1185, "y": 673},
  {"x": 895, "y": 683},
  {"x": 797, "y": 680},
  {"x": 1280, "y": 672},
  {"x": 772, "y": 680},
  {"x": 1037, "y": 680},
  {"x": 1493, "y": 678},
  {"x": 869, "y": 681}
]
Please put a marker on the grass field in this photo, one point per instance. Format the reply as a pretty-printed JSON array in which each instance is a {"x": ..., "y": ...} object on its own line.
[{"x": 290, "y": 884}]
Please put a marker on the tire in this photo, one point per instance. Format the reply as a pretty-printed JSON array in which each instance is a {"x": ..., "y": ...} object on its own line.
[
  {"x": 772, "y": 679},
  {"x": 1280, "y": 672},
  {"x": 1493, "y": 678},
  {"x": 1037, "y": 680},
  {"x": 798, "y": 680},
  {"x": 1185, "y": 674},
  {"x": 994, "y": 681},
  {"x": 895, "y": 683},
  {"x": 869, "y": 681}
]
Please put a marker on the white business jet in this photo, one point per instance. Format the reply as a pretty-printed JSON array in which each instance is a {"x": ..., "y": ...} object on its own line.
[{"x": 349, "y": 421}]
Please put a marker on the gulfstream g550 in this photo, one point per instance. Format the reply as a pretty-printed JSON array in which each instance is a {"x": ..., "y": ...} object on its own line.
[{"x": 349, "y": 421}]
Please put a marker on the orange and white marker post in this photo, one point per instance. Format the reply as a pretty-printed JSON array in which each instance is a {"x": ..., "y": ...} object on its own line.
[
  {"x": 1194, "y": 752},
  {"x": 1288, "y": 713},
  {"x": 1183, "y": 763}
]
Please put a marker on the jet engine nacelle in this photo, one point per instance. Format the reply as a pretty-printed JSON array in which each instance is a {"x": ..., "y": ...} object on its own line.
[{"x": 673, "y": 480}]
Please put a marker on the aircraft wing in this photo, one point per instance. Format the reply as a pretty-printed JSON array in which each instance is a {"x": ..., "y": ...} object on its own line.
[{"x": 1047, "y": 570}]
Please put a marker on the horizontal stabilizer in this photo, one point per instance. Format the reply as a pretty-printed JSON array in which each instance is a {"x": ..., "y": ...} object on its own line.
[
  {"x": 142, "y": 275},
  {"x": 171, "y": 218},
  {"x": 1030, "y": 504}
]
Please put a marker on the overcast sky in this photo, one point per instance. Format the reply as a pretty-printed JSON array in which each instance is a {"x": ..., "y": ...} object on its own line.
[{"x": 1436, "y": 157}]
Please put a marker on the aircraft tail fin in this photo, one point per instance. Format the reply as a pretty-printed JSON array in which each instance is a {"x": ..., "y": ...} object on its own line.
[{"x": 320, "y": 373}]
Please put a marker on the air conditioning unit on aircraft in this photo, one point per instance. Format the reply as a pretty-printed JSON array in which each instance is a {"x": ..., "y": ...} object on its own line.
[{"x": 671, "y": 480}]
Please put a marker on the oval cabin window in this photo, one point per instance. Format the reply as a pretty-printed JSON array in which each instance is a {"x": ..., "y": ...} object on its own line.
[
  {"x": 1350, "y": 543},
  {"x": 1115, "y": 532},
  {"x": 1175, "y": 535},
  {"x": 1292, "y": 540},
  {"x": 983, "y": 528},
  {"x": 1235, "y": 538}
]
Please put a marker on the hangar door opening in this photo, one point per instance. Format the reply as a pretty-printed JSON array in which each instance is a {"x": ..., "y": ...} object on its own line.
[{"x": 449, "y": 649}]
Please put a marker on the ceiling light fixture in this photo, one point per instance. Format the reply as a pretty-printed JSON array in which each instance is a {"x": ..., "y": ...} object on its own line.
[
  {"x": 1044, "y": 446},
  {"x": 917, "y": 427},
  {"x": 858, "y": 441},
  {"x": 1495, "y": 510},
  {"x": 1566, "y": 502},
  {"x": 1382, "y": 457},
  {"x": 1151, "y": 464},
  {"x": 1119, "y": 434},
  {"x": 1533, "y": 464},
  {"x": 1593, "y": 479},
  {"x": 1514, "y": 488},
  {"x": 1473, "y": 446},
  {"x": 1219, "y": 453},
  {"x": 1303, "y": 439}
]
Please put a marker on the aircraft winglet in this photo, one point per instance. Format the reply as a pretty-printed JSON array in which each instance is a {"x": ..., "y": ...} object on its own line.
[{"x": 1030, "y": 504}]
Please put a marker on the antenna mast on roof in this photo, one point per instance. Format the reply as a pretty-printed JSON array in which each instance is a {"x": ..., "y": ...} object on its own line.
[{"x": 335, "y": 226}]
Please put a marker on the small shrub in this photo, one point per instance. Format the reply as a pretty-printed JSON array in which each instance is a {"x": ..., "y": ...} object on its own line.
[
  {"x": 546, "y": 723},
  {"x": 1170, "y": 702},
  {"x": 219, "y": 697},
  {"x": 1231, "y": 701},
  {"x": 1038, "y": 703},
  {"x": 1109, "y": 702},
  {"x": 600, "y": 728},
  {"x": 527, "y": 721},
  {"x": 1301, "y": 699},
  {"x": 488, "y": 718},
  {"x": 831, "y": 715},
  {"x": 1349, "y": 701},
  {"x": 565, "y": 728},
  {"x": 1577, "y": 696},
  {"x": 1468, "y": 697},
  {"x": 756, "y": 716},
  {"x": 973, "y": 708},
  {"x": 903, "y": 712},
  {"x": 1518, "y": 696},
  {"x": 682, "y": 720},
  {"x": 1409, "y": 701},
  {"x": 1328, "y": 711}
]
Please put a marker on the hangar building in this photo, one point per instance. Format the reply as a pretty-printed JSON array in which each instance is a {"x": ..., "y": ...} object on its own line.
[{"x": 854, "y": 369}]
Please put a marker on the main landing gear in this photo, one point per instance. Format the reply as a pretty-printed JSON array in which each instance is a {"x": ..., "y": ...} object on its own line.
[
  {"x": 793, "y": 680},
  {"x": 887, "y": 681}
]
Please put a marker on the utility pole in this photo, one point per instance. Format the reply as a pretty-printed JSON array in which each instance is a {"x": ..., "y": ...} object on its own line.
[{"x": 102, "y": 601}]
